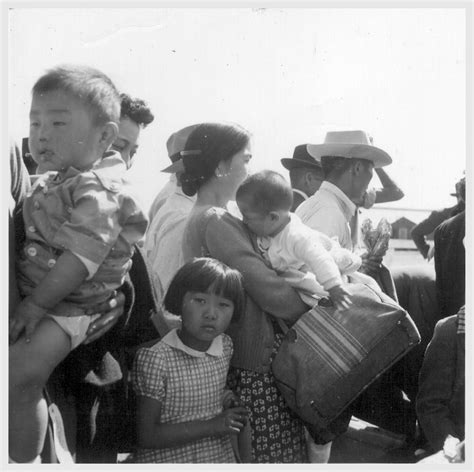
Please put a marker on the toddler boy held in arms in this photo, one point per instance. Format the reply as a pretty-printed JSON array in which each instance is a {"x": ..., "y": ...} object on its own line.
[
  {"x": 81, "y": 223},
  {"x": 309, "y": 260}
]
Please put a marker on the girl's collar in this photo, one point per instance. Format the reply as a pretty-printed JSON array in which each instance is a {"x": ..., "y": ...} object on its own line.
[{"x": 215, "y": 349}]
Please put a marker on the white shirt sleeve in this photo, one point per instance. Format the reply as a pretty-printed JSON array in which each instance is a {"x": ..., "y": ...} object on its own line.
[
  {"x": 307, "y": 248},
  {"x": 347, "y": 261}
]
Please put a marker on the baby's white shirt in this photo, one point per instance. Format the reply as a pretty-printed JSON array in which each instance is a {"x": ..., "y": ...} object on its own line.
[{"x": 309, "y": 260}]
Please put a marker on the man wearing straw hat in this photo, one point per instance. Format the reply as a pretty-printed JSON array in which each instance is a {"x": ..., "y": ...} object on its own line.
[{"x": 348, "y": 160}]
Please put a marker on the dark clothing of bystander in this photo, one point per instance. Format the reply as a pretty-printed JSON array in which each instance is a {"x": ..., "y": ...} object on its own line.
[
  {"x": 450, "y": 264},
  {"x": 298, "y": 198},
  {"x": 96, "y": 375},
  {"x": 441, "y": 399},
  {"x": 427, "y": 226}
]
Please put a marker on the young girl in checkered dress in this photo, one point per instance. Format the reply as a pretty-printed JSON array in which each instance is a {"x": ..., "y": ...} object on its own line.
[{"x": 184, "y": 414}]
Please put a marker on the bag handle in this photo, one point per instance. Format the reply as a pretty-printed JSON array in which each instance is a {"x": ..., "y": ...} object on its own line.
[
  {"x": 282, "y": 325},
  {"x": 322, "y": 302}
]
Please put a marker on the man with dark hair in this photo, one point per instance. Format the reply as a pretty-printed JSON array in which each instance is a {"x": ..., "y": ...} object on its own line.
[{"x": 306, "y": 174}]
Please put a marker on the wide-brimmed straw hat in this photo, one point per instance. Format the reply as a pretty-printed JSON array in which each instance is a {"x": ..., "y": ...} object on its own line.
[
  {"x": 301, "y": 158},
  {"x": 175, "y": 146},
  {"x": 351, "y": 145}
]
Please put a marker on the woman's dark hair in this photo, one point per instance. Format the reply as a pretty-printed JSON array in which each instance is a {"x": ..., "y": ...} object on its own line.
[
  {"x": 215, "y": 142},
  {"x": 205, "y": 275},
  {"x": 136, "y": 109}
]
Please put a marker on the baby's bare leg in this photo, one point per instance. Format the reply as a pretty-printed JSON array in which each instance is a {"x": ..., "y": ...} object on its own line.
[{"x": 30, "y": 365}]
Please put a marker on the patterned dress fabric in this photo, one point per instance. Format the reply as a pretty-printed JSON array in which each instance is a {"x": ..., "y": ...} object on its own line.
[
  {"x": 190, "y": 387},
  {"x": 277, "y": 433}
]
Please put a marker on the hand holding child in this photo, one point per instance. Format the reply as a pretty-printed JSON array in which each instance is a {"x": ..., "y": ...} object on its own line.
[
  {"x": 111, "y": 310},
  {"x": 230, "y": 400},
  {"x": 27, "y": 315},
  {"x": 340, "y": 297}
]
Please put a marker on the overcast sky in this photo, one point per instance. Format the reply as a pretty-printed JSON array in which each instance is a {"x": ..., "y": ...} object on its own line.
[{"x": 287, "y": 75}]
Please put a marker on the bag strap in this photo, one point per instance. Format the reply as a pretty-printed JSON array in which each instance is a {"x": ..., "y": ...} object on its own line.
[{"x": 282, "y": 325}]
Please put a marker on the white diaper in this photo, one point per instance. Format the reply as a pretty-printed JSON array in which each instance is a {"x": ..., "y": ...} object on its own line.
[{"x": 75, "y": 326}]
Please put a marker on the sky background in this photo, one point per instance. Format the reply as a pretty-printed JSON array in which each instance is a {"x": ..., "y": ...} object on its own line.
[{"x": 287, "y": 75}]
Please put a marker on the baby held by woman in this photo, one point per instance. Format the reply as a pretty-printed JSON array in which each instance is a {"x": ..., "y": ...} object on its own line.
[{"x": 310, "y": 261}]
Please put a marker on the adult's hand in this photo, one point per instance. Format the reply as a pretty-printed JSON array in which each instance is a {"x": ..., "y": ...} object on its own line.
[
  {"x": 26, "y": 318},
  {"x": 370, "y": 264},
  {"x": 111, "y": 311}
]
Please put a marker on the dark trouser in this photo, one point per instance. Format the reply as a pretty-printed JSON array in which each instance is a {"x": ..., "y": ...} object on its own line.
[
  {"x": 383, "y": 403},
  {"x": 100, "y": 415}
]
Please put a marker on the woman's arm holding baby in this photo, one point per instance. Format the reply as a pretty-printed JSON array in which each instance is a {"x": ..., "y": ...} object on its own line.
[{"x": 229, "y": 241}]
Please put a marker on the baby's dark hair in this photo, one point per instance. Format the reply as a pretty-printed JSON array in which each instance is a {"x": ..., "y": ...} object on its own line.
[
  {"x": 213, "y": 142},
  {"x": 136, "y": 109},
  {"x": 91, "y": 86},
  {"x": 266, "y": 191},
  {"x": 205, "y": 275}
]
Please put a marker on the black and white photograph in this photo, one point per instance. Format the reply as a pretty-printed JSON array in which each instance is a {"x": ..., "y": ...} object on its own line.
[{"x": 237, "y": 233}]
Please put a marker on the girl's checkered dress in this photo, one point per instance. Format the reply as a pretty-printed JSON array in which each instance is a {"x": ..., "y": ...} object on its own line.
[{"x": 190, "y": 386}]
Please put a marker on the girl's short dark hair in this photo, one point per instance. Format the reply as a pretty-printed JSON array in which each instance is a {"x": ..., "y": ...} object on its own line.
[
  {"x": 205, "y": 275},
  {"x": 215, "y": 142},
  {"x": 91, "y": 86}
]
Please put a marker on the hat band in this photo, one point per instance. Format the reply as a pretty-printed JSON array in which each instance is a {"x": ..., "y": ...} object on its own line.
[
  {"x": 178, "y": 155},
  {"x": 191, "y": 152},
  {"x": 335, "y": 155}
]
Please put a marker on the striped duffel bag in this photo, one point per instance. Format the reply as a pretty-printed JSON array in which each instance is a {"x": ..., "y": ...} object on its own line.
[{"x": 328, "y": 357}]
